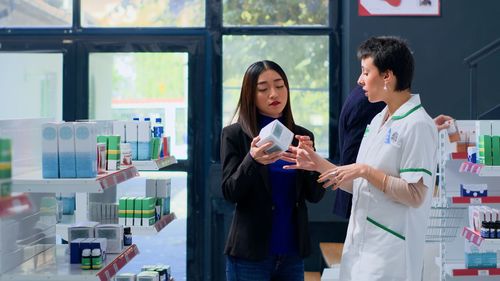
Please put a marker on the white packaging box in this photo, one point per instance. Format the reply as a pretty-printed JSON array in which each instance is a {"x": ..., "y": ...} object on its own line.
[
  {"x": 137, "y": 216},
  {"x": 278, "y": 134},
  {"x": 81, "y": 230},
  {"x": 163, "y": 190},
  {"x": 50, "y": 151},
  {"x": 483, "y": 127},
  {"x": 67, "y": 159},
  {"x": 85, "y": 149},
  {"x": 131, "y": 136},
  {"x": 143, "y": 139},
  {"x": 125, "y": 277},
  {"x": 114, "y": 235},
  {"x": 119, "y": 129},
  {"x": 148, "y": 276},
  {"x": 150, "y": 187}
]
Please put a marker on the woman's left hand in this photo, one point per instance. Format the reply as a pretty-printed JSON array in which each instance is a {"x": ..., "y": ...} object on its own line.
[
  {"x": 304, "y": 141},
  {"x": 341, "y": 175}
]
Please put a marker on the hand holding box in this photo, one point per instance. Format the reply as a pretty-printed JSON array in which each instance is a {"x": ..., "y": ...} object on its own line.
[{"x": 278, "y": 134}]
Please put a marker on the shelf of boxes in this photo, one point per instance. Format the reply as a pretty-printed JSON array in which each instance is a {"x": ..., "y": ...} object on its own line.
[
  {"x": 14, "y": 204},
  {"x": 155, "y": 164},
  {"x": 458, "y": 269},
  {"x": 480, "y": 169},
  {"x": 62, "y": 229},
  {"x": 33, "y": 182},
  {"x": 153, "y": 229},
  {"x": 53, "y": 264}
]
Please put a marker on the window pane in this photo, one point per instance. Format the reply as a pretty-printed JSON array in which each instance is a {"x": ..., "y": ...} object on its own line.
[
  {"x": 126, "y": 85},
  {"x": 36, "y": 13},
  {"x": 275, "y": 13},
  {"x": 31, "y": 85},
  {"x": 143, "y": 13},
  {"x": 305, "y": 61}
]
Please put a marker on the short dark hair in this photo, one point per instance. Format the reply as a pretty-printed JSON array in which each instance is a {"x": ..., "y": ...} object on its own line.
[
  {"x": 390, "y": 53},
  {"x": 247, "y": 108}
]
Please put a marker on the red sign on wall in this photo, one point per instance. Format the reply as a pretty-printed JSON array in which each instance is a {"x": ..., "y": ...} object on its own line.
[{"x": 398, "y": 8}]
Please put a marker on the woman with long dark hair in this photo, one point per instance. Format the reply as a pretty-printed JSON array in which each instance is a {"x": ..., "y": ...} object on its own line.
[{"x": 269, "y": 237}]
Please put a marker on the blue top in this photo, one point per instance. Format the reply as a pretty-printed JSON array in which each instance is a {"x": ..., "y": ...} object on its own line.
[
  {"x": 357, "y": 112},
  {"x": 283, "y": 233}
]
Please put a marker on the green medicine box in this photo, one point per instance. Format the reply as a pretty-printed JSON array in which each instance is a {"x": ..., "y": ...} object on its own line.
[{"x": 148, "y": 211}]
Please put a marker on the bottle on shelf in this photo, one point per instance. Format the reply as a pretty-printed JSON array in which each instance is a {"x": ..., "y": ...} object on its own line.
[
  {"x": 96, "y": 258},
  {"x": 158, "y": 128},
  {"x": 127, "y": 236}
]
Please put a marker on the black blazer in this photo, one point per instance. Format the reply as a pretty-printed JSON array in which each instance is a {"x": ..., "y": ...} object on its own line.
[{"x": 245, "y": 182}]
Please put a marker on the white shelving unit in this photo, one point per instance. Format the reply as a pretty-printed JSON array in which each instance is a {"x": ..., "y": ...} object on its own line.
[
  {"x": 154, "y": 165},
  {"x": 53, "y": 264},
  {"x": 33, "y": 182},
  {"x": 42, "y": 259},
  {"x": 454, "y": 171}
]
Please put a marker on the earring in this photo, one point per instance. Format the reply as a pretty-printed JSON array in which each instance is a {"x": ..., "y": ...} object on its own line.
[{"x": 385, "y": 86}]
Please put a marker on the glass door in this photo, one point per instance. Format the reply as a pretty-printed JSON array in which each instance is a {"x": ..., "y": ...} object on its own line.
[
  {"x": 149, "y": 84},
  {"x": 31, "y": 85}
]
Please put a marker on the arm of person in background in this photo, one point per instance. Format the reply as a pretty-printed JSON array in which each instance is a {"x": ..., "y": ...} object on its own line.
[{"x": 442, "y": 121}]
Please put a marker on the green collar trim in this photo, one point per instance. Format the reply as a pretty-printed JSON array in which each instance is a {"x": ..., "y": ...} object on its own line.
[{"x": 407, "y": 113}]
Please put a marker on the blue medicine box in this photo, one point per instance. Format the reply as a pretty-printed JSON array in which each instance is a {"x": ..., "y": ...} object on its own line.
[{"x": 473, "y": 190}]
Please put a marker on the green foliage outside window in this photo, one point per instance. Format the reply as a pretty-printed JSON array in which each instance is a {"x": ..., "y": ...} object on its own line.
[{"x": 275, "y": 12}]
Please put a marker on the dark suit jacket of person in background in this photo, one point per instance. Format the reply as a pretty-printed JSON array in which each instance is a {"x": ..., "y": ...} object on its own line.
[{"x": 357, "y": 112}]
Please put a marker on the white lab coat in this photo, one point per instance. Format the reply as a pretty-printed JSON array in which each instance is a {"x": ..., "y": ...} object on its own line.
[{"x": 385, "y": 239}]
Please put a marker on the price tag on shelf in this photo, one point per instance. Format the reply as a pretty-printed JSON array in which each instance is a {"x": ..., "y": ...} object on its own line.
[
  {"x": 476, "y": 200},
  {"x": 483, "y": 272}
]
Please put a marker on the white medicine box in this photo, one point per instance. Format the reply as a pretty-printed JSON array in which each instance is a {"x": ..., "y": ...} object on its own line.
[{"x": 278, "y": 134}]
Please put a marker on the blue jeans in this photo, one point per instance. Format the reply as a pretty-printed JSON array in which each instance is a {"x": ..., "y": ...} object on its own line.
[{"x": 274, "y": 267}]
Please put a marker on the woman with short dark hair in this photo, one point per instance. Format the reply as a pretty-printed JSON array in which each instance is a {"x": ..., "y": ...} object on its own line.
[{"x": 394, "y": 174}]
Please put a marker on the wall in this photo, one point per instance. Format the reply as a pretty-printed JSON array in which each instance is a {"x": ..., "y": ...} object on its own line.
[{"x": 440, "y": 44}]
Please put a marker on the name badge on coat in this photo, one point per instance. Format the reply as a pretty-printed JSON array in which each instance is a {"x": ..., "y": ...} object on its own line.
[{"x": 392, "y": 137}]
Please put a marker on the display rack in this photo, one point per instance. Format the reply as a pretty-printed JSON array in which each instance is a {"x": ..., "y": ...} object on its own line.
[
  {"x": 53, "y": 264},
  {"x": 453, "y": 172},
  {"x": 444, "y": 223},
  {"x": 14, "y": 205},
  {"x": 33, "y": 182},
  {"x": 154, "y": 165},
  {"x": 62, "y": 228},
  {"x": 153, "y": 229}
]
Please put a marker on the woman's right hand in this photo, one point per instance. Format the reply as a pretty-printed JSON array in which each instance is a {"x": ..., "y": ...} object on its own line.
[{"x": 260, "y": 155}]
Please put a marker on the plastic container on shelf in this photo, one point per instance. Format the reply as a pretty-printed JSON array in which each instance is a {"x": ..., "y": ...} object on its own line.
[{"x": 158, "y": 128}]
